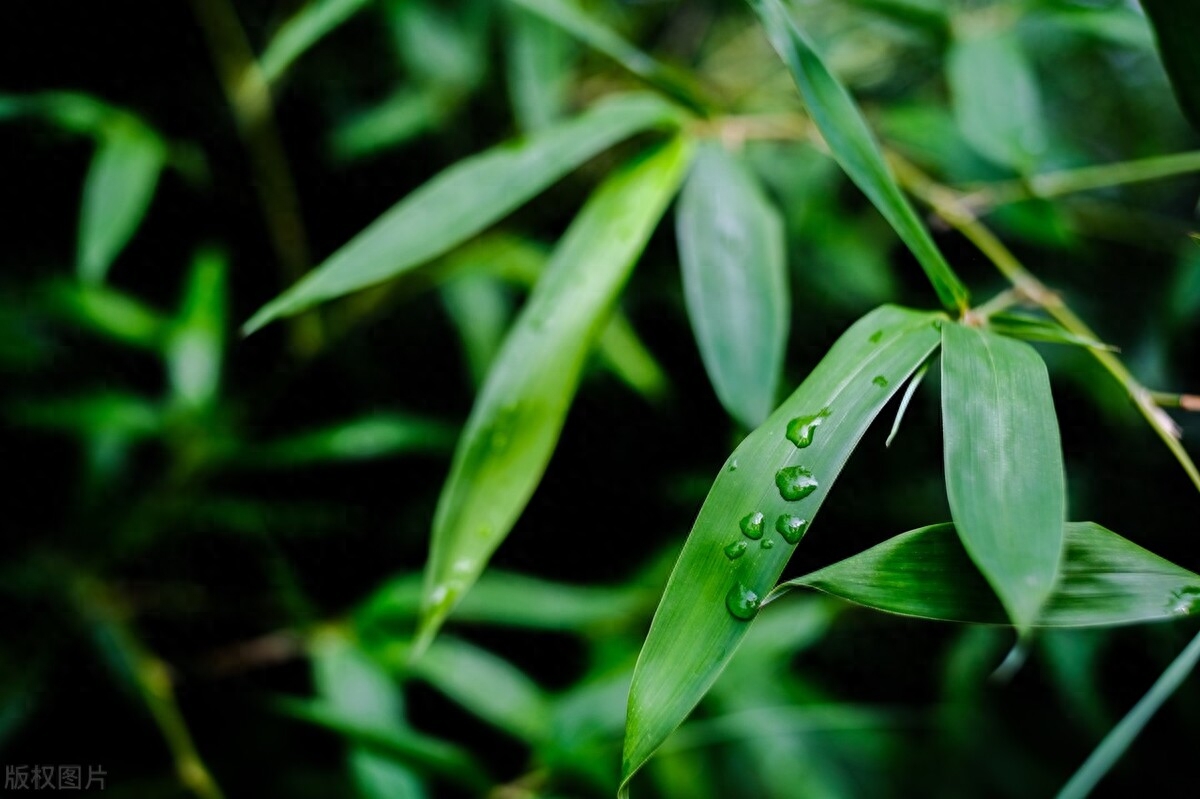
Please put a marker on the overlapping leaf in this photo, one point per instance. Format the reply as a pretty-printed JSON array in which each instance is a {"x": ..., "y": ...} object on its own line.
[
  {"x": 853, "y": 145},
  {"x": 1004, "y": 466},
  {"x": 732, "y": 254},
  {"x": 465, "y": 199},
  {"x": 1106, "y": 580},
  {"x": 514, "y": 425},
  {"x": 734, "y": 555}
]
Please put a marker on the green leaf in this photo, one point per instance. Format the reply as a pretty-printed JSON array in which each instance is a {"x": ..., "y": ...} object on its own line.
[
  {"x": 197, "y": 342},
  {"x": 514, "y": 425},
  {"x": 316, "y": 20},
  {"x": 352, "y": 685},
  {"x": 109, "y": 312},
  {"x": 489, "y": 687},
  {"x": 480, "y": 306},
  {"x": 538, "y": 69},
  {"x": 1177, "y": 27},
  {"x": 1119, "y": 739},
  {"x": 854, "y": 146},
  {"x": 567, "y": 16},
  {"x": 376, "y": 436},
  {"x": 1004, "y": 465},
  {"x": 627, "y": 357},
  {"x": 107, "y": 412},
  {"x": 465, "y": 199},
  {"x": 1031, "y": 328},
  {"x": 441, "y": 48},
  {"x": 731, "y": 250},
  {"x": 396, "y": 119},
  {"x": 116, "y": 193},
  {"x": 1106, "y": 580},
  {"x": 995, "y": 96},
  {"x": 506, "y": 599},
  {"x": 693, "y": 634}
]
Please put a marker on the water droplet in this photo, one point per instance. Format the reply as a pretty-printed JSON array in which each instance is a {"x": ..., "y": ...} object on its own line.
[
  {"x": 752, "y": 525},
  {"x": 1183, "y": 601},
  {"x": 767, "y": 543},
  {"x": 742, "y": 603},
  {"x": 736, "y": 550},
  {"x": 733, "y": 465},
  {"x": 795, "y": 482},
  {"x": 880, "y": 381},
  {"x": 792, "y": 528},
  {"x": 800, "y": 431},
  {"x": 876, "y": 336}
]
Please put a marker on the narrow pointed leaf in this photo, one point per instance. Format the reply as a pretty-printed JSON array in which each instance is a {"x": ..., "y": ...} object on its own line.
[
  {"x": 1177, "y": 27},
  {"x": 1106, "y": 580},
  {"x": 116, "y": 193},
  {"x": 568, "y": 16},
  {"x": 1031, "y": 328},
  {"x": 694, "y": 634},
  {"x": 514, "y": 425},
  {"x": 375, "y": 436},
  {"x": 197, "y": 344},
  {"x": 731, "y": 250},
  {"x": 996, "y": 100},
  {"x": 110, "y": 313},
  {"x": 1004, "y": 465},
  {"x": 465, "y": 199},
  {"x": 538, "y": 69},
  {"x": 854, "y": 146},
  {"x": 308, "y": 26}
]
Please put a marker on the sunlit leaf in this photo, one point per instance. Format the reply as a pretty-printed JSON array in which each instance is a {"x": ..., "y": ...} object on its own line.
[
  {"x": 465, "y": 199},
  {"x": 854, "y": 146},
  {"x": 352, "y": 685},
  {"x": 316, "y": 20},
  {"x": 1004, "y": 464},
  {"x": 740, "y": 541},
  {"x": 116, "y": 193},
  {"x": 514, "y": 425},
  {"x": 996, "y": 99},
  {"x": 197, "y": 343},
  {"x": 1177, "y": 27},
  {"x": 1106, "y": 580},
  {"x": 731, "y": 250}
]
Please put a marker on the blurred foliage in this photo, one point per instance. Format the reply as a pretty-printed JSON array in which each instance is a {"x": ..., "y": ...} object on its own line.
[{"x": 210, "y": 577}]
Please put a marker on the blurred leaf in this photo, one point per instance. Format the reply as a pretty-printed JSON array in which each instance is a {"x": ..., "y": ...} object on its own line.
[
  {"x": 73, "y": 111},
  {"x": 853, "y": 145},
  {"x": 197, "y": 343},
  {"x": 1038, "y": 222},
  {"x": 313, "y": 22},
  {"x": 1072, "y": 660},
  {"x": 465, "y": 199},
  {"x": 702, "y": 615},
  {"x": 520, "y": 410},
  {"x": 1106, "y": 580},
  {"x": 116, "y": 193},
  {"x": 481, "y": 308},
  {"x": 422, "y": 753},
  {"x": 489, "y": 687},
  {"x": 112, "y": 313},
  {"x": 1004, "y": 465},
  {"x": 1117, "y": 25},
  {"x": 624, "y": 353},
  {"x": 568, "y": 16},
  {"x": 929, "y": 15},
  {"x": 101, "y": 412},
  {"x": 731, "y": 250},
  {"x": 376, "y": 436},
  {"x": 353, "y": 686},
  {"x": 1126, "y": 732},
  {"x": 1176, "y": 28},
  {"x": 538, "y": 71},
  {"x": 511, "y": 600},
  {"x": 996, "y": 99},
  {"x": 404, "y": 115},
  {"x": 1032, "y": 328},
  {"x": 929, "y": 135},
  {"x": 440, "y": 47}
]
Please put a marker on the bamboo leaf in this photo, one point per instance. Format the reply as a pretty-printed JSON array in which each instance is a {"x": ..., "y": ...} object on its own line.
[
  {"x": 567, "y": 16},
  {"x": 741, "y": 539},
  {"x": 197, "y": 343},
  {"x": 538, "y": 69},
  {"x": 732, "y": 254},
  {"x": 1004, "y": 467},
  {"x": 109, "y": 312},
  {"x": 305, "y": 28},
  {"x": 465, "y": 199},
  {"x": 995, "y": 96},
  {"x": 1031, "y": 328},
  {"x": 116, "y": 193},
  {"x": 1176, "y": 27},
  {"x": 1106, "y": 580},
  {"x": 854, "y": 146},
  {"x": 514, "y": 426},
  {"x": 379, "y": 435}
]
